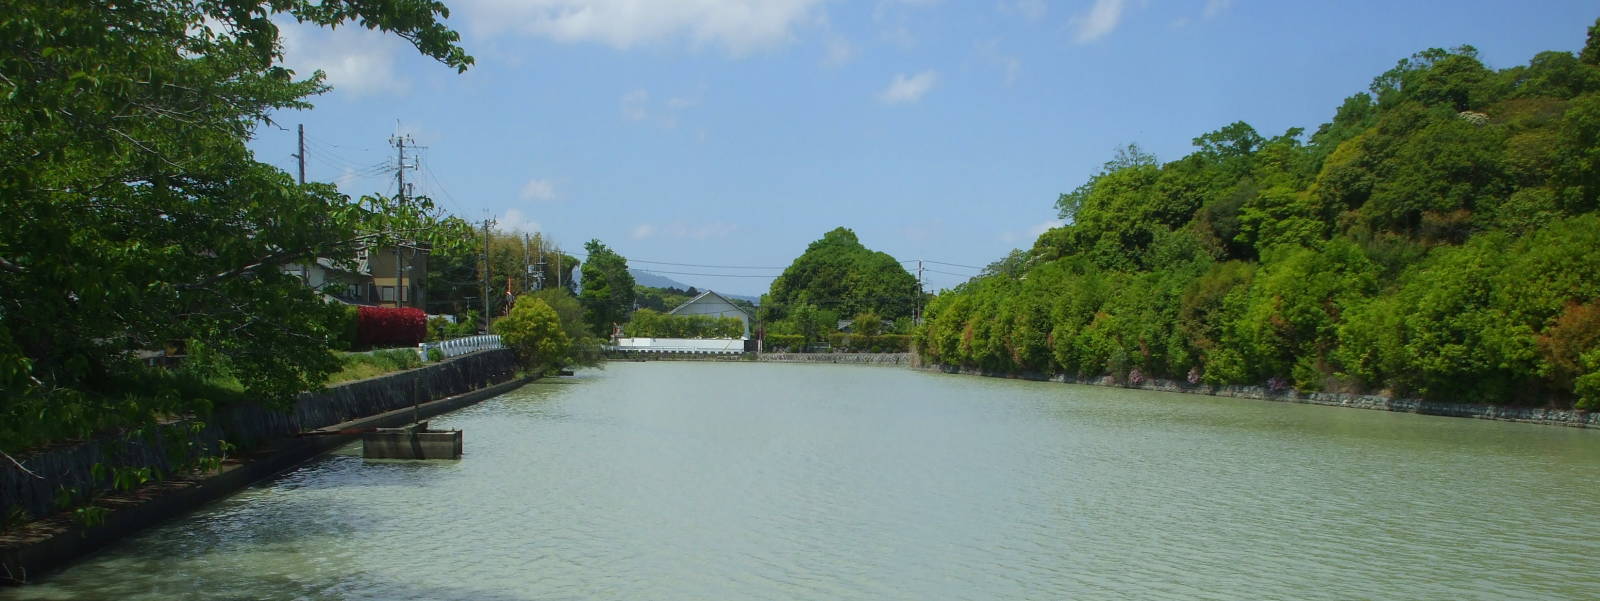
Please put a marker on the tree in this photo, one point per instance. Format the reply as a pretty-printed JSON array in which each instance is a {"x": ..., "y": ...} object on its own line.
[
  {"x": 533, "y": 331},
  {"x": 608, "y": 288},
  {"x": 137, "y": 217},
  {"x": 839, "y": 274}
]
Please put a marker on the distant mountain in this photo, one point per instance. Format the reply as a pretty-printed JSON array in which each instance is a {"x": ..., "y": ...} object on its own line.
[{"x": 645, "y": 278}]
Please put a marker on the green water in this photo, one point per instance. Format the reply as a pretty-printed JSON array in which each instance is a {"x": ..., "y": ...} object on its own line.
[{"x": 686, "y": 480}]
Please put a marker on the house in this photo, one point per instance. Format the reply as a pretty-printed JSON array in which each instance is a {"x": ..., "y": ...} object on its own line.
[
  {"x": 713, "y": 304},
  {"x": 399, "y": 275},
  {"x": 347, "y": 283}
]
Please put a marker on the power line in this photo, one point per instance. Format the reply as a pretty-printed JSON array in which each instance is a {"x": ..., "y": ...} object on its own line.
[{"x": 711, "y": 275}]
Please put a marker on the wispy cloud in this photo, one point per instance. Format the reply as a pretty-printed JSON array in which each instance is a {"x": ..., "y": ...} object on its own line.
[
  {"x": 904, "y": 89},
  {"x": 838, "y": 51},
  {"x": 1100, "y": 21},
  {"x": 635, "y": 105},
  {"x": 1032, "y": 10},
  {"x": 538, "y": 189},
  {"x": 738, "y": 26},
  {"x": 514, "y": 221},
  {"x": 1010, "y": 66},
  {"x": 1216, "y": 7}
]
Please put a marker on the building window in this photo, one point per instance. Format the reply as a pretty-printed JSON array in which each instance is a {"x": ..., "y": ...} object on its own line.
[{"x": 386, "y": 293}]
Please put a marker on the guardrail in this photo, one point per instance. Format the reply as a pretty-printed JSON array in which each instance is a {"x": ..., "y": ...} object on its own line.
[{"x": 461, "y": 346}]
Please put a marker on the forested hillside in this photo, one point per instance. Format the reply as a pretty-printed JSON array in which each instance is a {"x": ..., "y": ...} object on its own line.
[{"x": 1438, "y": 238}]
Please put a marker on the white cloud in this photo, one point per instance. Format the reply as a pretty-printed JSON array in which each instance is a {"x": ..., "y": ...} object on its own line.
[
  {"x": 514, "y": 221},
  {"x": 1101, "y": 19},
  {"x": 1216, "y": 7},
  {"x": 679, "y": 229},
  {"x": 357, "y": 61},
  {"x": 538, "y": 189},
  {"x": 739, "y": 26},
  {"x": 1032, "y": 10},
  {"x": 1040, "y": 228},
  {"x": 908, "y": 89},
  {"x": 1031, "y": 233}
]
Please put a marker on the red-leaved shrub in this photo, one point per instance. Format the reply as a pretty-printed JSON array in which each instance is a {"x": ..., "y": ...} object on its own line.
[{"x": 389, "y": 326}]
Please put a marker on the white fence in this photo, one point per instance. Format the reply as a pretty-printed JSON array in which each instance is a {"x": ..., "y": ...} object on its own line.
[
  {"x": 461, "y": 346},
  {"x": 706, "y": 346}
]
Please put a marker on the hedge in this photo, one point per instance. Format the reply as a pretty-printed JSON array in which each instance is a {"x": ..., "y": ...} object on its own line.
[
  {"x": 841, "y": 343},
  {"x": 388, "y": 326}
]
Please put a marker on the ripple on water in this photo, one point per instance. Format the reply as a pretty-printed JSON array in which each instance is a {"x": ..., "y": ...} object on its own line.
[{"x": 758, "y": 481}]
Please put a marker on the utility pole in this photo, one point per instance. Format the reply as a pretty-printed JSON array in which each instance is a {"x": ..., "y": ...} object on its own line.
[
  {"x": 401, "y": 191},
  {"x": 558, "y": 267},
  {"x": 916, "y": 311},
  {"x": 301, "y": 156},
  {"x": 538, "y": 274},
  {"x": 527, "y": 265},
  {"x": 487, "y": 223},
  {"x": 400, "y": 164}
]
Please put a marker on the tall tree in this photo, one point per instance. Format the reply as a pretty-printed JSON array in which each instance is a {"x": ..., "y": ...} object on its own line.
[
  {"x": 136, "y": 215},
  {"x": 839, "y": 274},
  {"x": 607, "y": 288}
]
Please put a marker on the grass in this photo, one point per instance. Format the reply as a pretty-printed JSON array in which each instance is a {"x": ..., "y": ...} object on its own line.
[{"x": 360, "y": 366}]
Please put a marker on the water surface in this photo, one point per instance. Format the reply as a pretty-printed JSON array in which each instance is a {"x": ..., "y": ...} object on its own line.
[{"x": 680, "y": 480}]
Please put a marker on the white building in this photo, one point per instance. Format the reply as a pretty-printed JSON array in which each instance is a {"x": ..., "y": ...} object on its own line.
[{"x": 713, "y": 304}]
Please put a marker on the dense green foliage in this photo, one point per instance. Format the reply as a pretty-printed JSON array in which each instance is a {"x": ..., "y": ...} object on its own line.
[
  {"x": 455, "y": 278},
  {"x": 137, "y": 218},
  {"x": 662, "y": 299},
  {"x": 649, "y": 323},
  {"x": 608, "y": 288},
  {"x": 533, "y": 331},
  {"x": 1438, "y": 238},
  {"x": 839, "y": 275},
  {"x": 584, "y": 350}
]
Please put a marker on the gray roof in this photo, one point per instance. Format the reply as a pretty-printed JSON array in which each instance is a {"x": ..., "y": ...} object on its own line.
[{"x": 710, "y": 293}]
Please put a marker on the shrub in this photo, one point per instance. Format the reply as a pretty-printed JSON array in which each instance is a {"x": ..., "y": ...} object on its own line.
[
  {"x": 344, "y": 327},
  {"x": 533, "y": 331},
  {"x": 389, "y": 326},
  {"x": 779, "y": 343}
]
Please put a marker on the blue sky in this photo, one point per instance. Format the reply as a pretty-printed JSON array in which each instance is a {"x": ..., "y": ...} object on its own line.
[{"x": 735, "y": 132}]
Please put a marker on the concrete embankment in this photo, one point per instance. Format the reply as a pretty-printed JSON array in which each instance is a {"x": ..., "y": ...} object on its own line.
[
  {"x": 1535, "y": 415},
  {"x": 274, "y": 437}
]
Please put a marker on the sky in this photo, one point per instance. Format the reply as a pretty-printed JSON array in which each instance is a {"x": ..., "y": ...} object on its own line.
[{"x": 724, "y": 136}]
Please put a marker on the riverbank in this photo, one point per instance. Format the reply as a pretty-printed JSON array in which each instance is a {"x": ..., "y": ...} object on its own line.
[
  {"x": 318, "y": 423},
  {"x": 1533, "y": 415}
]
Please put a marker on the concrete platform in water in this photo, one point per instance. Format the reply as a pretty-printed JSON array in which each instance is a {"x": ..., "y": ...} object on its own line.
[{"x": 414, "y": 441}]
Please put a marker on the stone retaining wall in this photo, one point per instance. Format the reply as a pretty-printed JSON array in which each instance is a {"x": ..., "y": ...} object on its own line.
[
  {"x": 858, "y": 358},
  {"x": 1560, "y": 417},
  {"x": 71, "y": 467}
]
